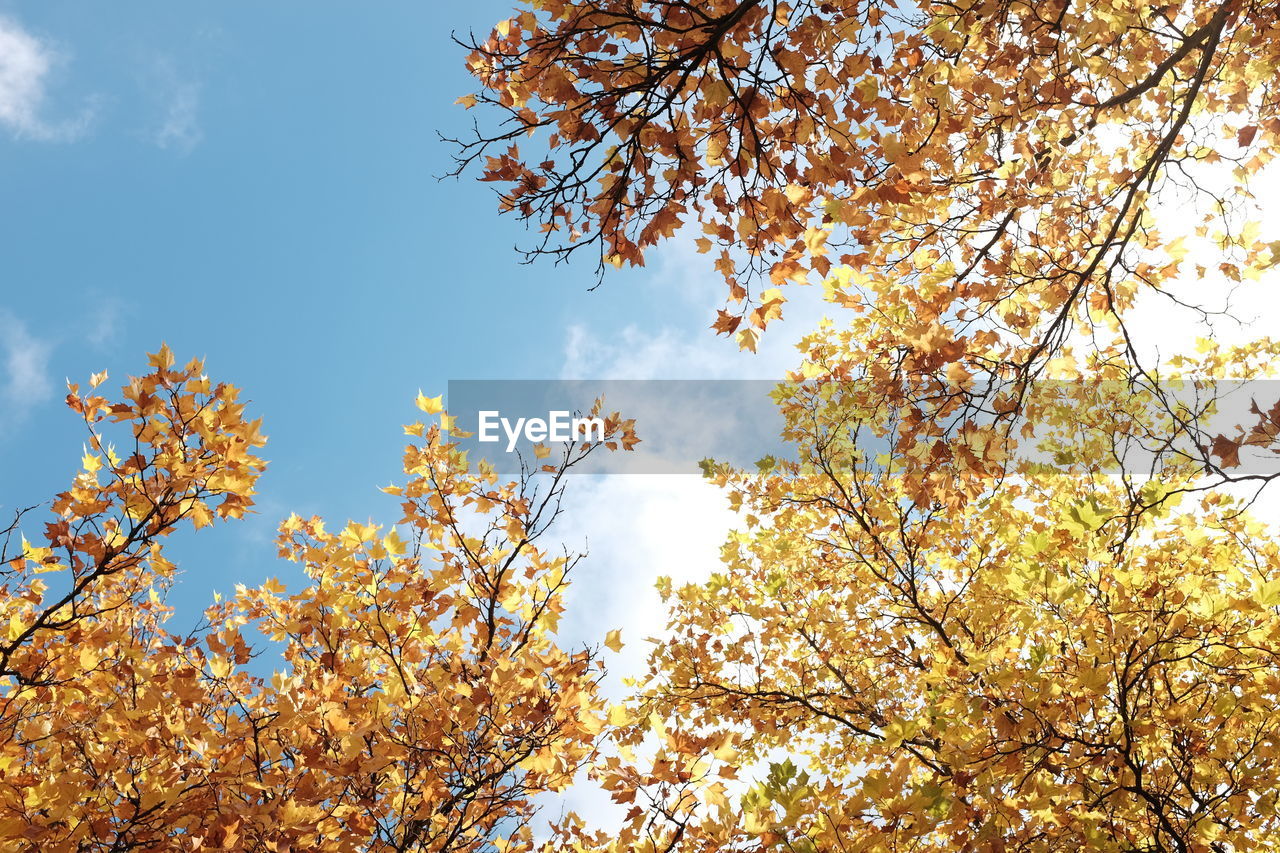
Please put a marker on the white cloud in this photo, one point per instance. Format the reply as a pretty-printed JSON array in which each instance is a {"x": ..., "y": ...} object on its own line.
[
  {"x": 25, "y": 65},
  {"x": 635, "y": 528},
  {"x": 689, "y": 349},
  {"x": 179, "y": 128},
  {"x": 104, "y": 323},
  {"x": 24, "y": 360}
]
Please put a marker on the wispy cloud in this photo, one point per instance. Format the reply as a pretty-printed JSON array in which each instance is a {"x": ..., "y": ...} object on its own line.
[
  {"x": 25, "y": 66},
  {"x": 685, "y": 347},
  {"x": 179, "y": 128},
  {"x": 24, "y": 371},
  {"x": 104, "y": 323}
]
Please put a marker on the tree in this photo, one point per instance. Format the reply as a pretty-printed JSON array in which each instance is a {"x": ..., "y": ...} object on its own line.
[
  {"x": 1038, "y": 668},
  {"x": 978, "y": 177},
  {"x": 1000, "y": 601},
  {"x": 421, "y": 702}
]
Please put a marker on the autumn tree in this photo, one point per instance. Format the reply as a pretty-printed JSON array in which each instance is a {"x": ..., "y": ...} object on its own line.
[
  {"x": 1000, "y": 600},
  {"x": 1038, "y": 668},
  {"x": 418, "y": 699},
  {"x": 978, "y": 177}
]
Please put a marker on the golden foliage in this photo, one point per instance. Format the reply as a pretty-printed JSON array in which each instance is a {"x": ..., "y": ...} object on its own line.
[
  {"x": 1076, "y": 657},
  {"x": 980, "y": 176},
  {"x": 421, "y": 702}
]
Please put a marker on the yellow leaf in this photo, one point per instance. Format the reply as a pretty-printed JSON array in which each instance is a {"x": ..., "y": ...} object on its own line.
[
  {"x": 430, "y": 405},
  {"x": 393, "y": 543},
  {"x": 163, "y": 359}
]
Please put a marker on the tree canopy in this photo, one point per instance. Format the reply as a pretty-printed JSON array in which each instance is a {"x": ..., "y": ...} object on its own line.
[
  {"x": 1011, "y": 594},
  {"x": 1001, "y": 601},
  {"x": 1036, "y": 669},
  {"x": 419, "y": 699},
  {"x": 980, "y": 175}
]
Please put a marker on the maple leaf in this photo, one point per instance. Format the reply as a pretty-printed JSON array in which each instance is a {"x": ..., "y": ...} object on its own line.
[
  {"x": 1227, "y": 450},
  {"x": 430, "y": 405}
]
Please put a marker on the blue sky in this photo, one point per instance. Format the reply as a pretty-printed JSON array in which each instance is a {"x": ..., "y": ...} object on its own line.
[{"x": 257, "y": 184}]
